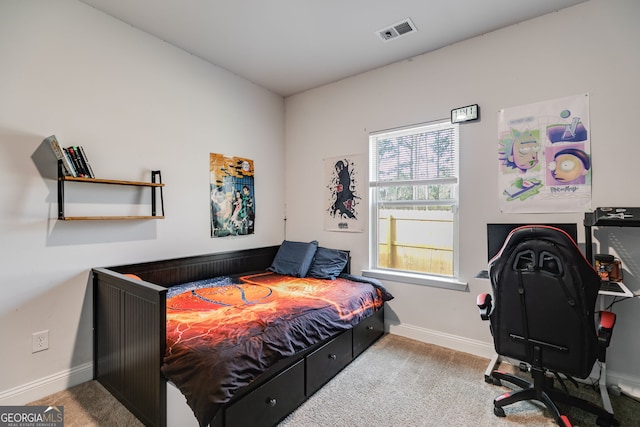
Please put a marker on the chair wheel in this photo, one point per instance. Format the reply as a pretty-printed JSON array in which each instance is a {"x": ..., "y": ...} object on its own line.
[
  {"x": 490, "y": 379},
  {"x": 499, "y": 412}
]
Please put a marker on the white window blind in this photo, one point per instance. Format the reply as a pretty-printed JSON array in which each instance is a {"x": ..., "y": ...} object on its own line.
[{"x": 413, "y": 187}]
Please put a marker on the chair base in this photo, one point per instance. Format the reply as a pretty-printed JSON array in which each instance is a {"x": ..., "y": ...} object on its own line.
[{"x": 542, "y": 390}]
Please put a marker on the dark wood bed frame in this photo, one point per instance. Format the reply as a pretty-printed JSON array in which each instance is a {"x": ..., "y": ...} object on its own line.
[{"x": 130, "y": 341}]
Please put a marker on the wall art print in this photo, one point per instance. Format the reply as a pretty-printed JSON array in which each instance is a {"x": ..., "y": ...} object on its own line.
[
  {"x": 232, "y": 188},
  {"x": 345, "y": 179},
  {"x": 544, "y": 157}
]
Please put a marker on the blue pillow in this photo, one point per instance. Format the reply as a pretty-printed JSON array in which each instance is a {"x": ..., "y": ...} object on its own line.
[
  {"x": 328, "y": 263},
  {"x": 294, "y": 258}
]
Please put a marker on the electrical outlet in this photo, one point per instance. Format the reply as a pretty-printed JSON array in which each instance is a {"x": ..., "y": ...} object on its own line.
[{"x": 39, "y": 341}]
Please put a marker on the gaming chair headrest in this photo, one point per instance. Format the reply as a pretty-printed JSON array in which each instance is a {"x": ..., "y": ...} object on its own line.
[
  {"x": 539, "y": 237},
  {"x": 547, "y": 233}
]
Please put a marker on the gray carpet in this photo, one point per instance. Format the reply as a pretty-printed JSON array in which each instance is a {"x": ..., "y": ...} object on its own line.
[
  {"x": 90, "y": 405},
  {"x": 397, "y": 382},
  {"x": 402, "y": 382}
]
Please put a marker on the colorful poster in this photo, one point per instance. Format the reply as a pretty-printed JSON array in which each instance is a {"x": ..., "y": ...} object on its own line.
[
  {"x": 232, "y": 195},
  {"x": 544, "y": 157},
  {"x": 344, "y": 178}
]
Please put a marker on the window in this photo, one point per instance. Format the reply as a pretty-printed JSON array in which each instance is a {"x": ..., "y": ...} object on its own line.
[{"x": 414, "y": 197}]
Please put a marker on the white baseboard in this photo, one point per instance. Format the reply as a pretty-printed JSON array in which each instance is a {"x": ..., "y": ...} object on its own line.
[
  {"x": 43, "y": 387},
  {"x": 54, "y": 383},
  {"x": 629, "y": 385},
  {"x": 454, "y": 342}
]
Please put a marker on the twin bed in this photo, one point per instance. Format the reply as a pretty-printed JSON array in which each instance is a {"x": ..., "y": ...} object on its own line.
[{"x": 246, "y": 336}]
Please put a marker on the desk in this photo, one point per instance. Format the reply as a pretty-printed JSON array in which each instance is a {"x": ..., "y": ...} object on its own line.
[
  {"x": 626, "y": 293},
  {"x": 607, "y": 217}
]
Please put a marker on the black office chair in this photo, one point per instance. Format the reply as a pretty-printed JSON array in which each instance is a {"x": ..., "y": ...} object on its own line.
[{"x": 545, "y": 292}]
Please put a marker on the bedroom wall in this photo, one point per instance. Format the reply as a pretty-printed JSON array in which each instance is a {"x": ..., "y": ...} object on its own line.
[
  {"x": 592, "y": 47},
  {"x": 135, "y": 103}
]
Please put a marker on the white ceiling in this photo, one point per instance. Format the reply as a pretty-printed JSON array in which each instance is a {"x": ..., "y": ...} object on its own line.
[{"x": 289, "y": 46}]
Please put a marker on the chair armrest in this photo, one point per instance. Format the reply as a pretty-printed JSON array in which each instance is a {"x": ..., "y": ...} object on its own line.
[
  {"x": 605, "y": 328},
  {"x": 484, "y": 304}
]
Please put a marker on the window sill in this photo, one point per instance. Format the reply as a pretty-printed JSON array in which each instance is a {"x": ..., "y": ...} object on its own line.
[{"x": 417, "y": 279}]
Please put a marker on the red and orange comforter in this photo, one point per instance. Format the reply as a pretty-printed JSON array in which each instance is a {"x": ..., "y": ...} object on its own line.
[{"x": 223, "y": 333}]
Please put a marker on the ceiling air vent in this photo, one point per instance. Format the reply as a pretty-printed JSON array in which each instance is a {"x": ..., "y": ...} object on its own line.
[{"x": 396, "y": 30}]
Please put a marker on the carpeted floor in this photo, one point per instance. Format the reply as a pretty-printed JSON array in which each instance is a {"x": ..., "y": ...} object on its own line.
[
  {"x": 402, "y": 382},
  {"x": 397, "y": 382},
  {"x": 88, "y": 405}
]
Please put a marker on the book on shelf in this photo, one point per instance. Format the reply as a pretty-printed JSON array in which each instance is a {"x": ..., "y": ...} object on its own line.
[
  {"x": 79, "y": 158},
  {"x": 86, "y": 162},
  {"x": 62, "y": 155},
  {"x": 75, "y": 159}
]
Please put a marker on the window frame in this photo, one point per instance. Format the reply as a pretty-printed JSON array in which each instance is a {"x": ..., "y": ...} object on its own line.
[{"x": 419, "y": 278}]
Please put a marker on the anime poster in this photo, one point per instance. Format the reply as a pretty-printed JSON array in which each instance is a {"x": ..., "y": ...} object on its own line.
[
  {"x": 344, "y": 178},
  {"x": 232, "y": 195},
  {"x": 544, "y": 157}
]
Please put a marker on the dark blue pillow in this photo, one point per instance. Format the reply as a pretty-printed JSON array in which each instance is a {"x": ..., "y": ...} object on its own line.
[
  {"x": 328, "y": 263},
  {"x": 294, "y": 258}
]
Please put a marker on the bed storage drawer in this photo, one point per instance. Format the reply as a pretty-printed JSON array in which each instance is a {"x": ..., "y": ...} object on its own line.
[
  {"x": 270, "y": 402},
  {"x": 367, "y": 331},
  {"x": 328, "y": 360}
]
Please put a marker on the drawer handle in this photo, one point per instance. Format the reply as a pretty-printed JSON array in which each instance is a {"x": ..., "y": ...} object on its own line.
[
  {"x": 369, "y": 328},
  {"x": 272, "y": 401},
  {"x": 333, "y": 356}
]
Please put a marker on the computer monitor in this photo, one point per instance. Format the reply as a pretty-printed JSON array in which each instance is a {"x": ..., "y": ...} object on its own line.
[{"x": 497, "y": 234}]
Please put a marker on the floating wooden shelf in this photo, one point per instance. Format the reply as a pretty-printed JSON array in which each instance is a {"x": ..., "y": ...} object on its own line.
[
  {"x": 113, "y": 181},
  {"x": 62, "y": 178},
  {"x": 89, "y": 218}
]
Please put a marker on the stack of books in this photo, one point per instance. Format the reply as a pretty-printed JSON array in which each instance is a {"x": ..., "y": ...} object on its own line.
[{"x": 73, "y": 159}]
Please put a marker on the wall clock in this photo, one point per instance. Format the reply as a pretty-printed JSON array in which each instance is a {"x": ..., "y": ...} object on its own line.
[{"x": 465, "y": 114}]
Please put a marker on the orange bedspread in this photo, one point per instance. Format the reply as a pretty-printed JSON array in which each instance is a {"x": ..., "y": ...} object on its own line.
[{"x": 221, "y": 336}]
